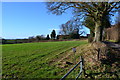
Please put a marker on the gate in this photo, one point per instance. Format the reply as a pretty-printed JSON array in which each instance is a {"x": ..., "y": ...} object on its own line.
[{"x": 80, "y": 72}]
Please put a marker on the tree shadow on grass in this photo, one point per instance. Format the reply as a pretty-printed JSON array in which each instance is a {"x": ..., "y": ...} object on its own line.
[
  {"x": 111, "y": 59},
  {"x": 92, "y": 75}
]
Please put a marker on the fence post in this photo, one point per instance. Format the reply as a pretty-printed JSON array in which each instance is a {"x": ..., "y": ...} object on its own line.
[
  {"x": 74, "y": 60},
  {"x": 98, "y": 53},
  {"x": 81, "y": 63},
  {"x": 84, "y": 73},
  {"x": 81, "y": 69}
]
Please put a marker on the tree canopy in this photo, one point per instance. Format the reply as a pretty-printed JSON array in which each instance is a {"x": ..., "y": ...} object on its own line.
[{"x": 98, "y": 11}]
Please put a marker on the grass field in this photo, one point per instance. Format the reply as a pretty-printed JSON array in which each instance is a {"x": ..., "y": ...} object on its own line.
[{"x": 35, "y": 60}]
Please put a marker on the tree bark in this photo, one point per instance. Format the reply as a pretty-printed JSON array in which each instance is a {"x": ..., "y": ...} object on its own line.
[
  {"x": 98, "y": 31},
  {"x": 92, "y": 34},
  {"x": 91, "y": 37}
]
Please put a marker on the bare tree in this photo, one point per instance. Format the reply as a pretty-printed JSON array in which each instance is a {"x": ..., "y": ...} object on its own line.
[{"x": 70, "y": 26}]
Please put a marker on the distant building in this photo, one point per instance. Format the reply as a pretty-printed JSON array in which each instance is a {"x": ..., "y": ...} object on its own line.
[{"x": 60, "y": 37}]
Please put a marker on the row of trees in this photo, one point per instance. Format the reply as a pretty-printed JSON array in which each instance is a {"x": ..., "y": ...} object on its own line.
[
  {"x": 29, "y": 39},
  {"x": 67, "y": 29},
  {"x": 26, "y": 40},
  {"x": 73, "y": 35}
]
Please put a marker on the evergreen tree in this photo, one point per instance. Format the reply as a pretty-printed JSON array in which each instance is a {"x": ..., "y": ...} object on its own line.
[
  {"x": 53, "y": 34},
  {"x": 48, "y": 37}
]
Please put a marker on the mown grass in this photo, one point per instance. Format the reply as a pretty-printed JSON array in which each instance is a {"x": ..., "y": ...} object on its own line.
[{"x": 32, "y": 60}]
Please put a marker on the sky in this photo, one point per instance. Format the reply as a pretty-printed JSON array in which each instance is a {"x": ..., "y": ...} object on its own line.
[{"x": 25, "y": 19}]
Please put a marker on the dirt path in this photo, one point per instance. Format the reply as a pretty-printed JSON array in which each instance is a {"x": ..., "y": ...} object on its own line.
[
  {"x": 114, "y": 52},
  {"x": 113, "y": 45}
]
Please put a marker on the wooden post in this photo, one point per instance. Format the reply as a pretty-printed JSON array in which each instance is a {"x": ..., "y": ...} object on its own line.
[
  {"x": 74, "y": 51},
  {"x": 98, "y": 53}
]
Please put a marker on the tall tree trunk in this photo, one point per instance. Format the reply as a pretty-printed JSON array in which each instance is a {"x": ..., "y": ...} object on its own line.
[
  {"x": 98, "y": 31},
  {"x": 91, "y": 37},
  {"x": 92, "y": 34}
]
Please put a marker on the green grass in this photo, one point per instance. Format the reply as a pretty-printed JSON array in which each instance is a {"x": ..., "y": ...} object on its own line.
[
  {"x": 32, "y": 60},
  {"x": 112, "y": 40}
]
